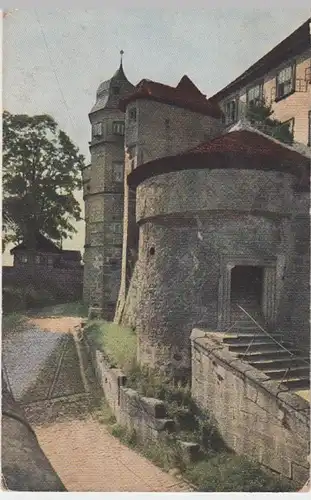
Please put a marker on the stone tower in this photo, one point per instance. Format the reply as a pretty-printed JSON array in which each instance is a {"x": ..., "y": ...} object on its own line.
[
  {"x": 104, "y": 195},
  {"x": 222, "y": 222}
]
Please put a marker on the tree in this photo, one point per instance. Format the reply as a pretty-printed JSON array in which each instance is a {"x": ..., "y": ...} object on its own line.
[
  {"x": 260, "y": 115},
  {"x": 41, "y": 170}
]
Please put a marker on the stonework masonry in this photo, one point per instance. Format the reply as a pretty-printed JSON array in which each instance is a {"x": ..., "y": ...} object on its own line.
[
  {"x": 256, "y": 416},
  {"x": 172, "y": 130},
  {"x": 168, "y": 230},
  {"x": 185, "y": 241},
  {"x": 103, "y": 194}
]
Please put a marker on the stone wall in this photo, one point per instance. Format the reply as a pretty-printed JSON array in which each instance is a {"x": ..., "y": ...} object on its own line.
[
  {"x": 256, "y": 416},
  {"x": 147, "y": 416},
  {"x": 103, "y": 195},
  {"x": 164, "y": 130},
  {"x": 171, "y": 130},
  {"x": 188, "y": 239},
  {"x": 64, "y": 284}
]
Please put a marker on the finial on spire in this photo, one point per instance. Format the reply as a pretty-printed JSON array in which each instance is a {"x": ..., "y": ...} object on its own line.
[{"x": 121, "y": 53}]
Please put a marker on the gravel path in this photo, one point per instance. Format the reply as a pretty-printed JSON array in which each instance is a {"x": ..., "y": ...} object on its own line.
[
  {"x": 80, "y": 448},
  {"x": 88, "y": 458}
]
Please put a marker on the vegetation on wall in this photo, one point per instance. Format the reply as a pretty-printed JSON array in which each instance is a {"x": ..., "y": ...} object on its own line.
[
  {"x": 117, "y": 342},
  {"x": 217, "y": 469},
  {"x": 260, "y": 115},
  {"x": 41, "y": 170}
]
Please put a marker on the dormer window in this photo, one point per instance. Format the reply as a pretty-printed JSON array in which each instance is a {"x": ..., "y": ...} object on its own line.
[
  {"x": 285, "y": 82},
  {"x": 255, "y": 95},
  {"x": 97, "y": 129},
  {"x": 231, "y": 109},
  {"x": 132, "y": 115},
  {"x": 116, "y": 90}
]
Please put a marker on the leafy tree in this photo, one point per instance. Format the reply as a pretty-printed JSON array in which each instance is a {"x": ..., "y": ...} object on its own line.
[
  {"x": 260, "y": 114},
  {"x": 41, "y": 170}
]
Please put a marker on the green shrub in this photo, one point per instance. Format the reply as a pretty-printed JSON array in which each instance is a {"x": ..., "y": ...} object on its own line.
[
  {"x": 12, "y": 323},
  {"x": 165, "y": 453},
  {"x": 192, "y": 423},
  {"x": 36, "y": 298},
  {"x": 126, "y": 436},
  {"x": 228, "y": 472},
  {"x": 13, "y": 299},
  {"x": 118, "y": 343},
  {"x": 73, "y": 309}
]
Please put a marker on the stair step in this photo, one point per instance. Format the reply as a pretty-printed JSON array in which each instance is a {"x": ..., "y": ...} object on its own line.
[
  {"x": 287, "y": 373},
  {"x": 262, "y": 364},
  {"x": 256, "y": 345},
  {"x": 243, "y": 338},
  {"x": 301, "y": 383},
  {"x": 244, "y": 324},
  {"x": 275, "y": 353}
]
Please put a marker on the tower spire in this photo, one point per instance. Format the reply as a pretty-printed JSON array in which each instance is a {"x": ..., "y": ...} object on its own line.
[{"x": 121, "y": 54}]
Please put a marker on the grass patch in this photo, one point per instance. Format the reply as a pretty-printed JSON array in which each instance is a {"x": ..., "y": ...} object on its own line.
[
  {"x": 229, "y": 472},
  {"x": 192, "y": 423},
  {"x": 118, "y": 343},
  {"x": 72, "y": 309},
  {"x": 12, "y": 322},
  {"x": 103, "y": 414}
]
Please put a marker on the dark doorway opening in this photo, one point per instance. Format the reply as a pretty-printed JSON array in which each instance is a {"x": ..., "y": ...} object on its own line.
[{"x": 247, "y": 286}]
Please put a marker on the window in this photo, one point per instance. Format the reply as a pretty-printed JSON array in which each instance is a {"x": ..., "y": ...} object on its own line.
[
  {"x": 50, "y": 261},
  {"x": 24, "y": 259},
  {"x": 131, "y": 154},
  {"x": 309, "y": 130},
  {"x": 132, "y": 115},
  {"x": 118, "y": 169},
  {"x": 285, "y": 82},
  {"x": 255, "y": 95},
  {"x": 97, "y": 129},
  {"x": 116, "y": 90},
  {"x": 37, "y": 259},
  {"x": 231, "y": 112},
  {"x": 117, "y": 227},
  {"x": 118, "y": 128}
]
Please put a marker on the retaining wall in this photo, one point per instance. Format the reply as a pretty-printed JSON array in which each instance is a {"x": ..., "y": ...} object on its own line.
[
  {"x": 256, "y": 416},
  {"x": 147, "y": 416},
  {"x": 61, "y": 283}
]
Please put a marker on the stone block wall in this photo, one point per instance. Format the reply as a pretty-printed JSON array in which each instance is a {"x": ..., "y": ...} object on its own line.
[
  {"x": 164, "y": 130},
  {"x": 146, "y": 416},
  {"x": 255, "y": 415},
  {"x": 189, "y": 240},
  {"x": 159, "y": 130},
  {"x": 65, "y": 284}
]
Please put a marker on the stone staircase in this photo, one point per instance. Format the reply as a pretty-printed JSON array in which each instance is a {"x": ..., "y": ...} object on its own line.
[{"x": 279, "y": 359}]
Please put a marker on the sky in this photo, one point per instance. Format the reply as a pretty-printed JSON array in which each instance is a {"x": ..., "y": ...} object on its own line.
[{"x": 54, "y": 59}]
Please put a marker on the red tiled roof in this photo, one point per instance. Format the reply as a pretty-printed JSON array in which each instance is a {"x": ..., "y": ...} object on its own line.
[
  {"x": 187, "y": 86},
  {"x": 254, "y": 151},
  {"x": 185, "y": 95},
  {"x": 248, "y": 143}
]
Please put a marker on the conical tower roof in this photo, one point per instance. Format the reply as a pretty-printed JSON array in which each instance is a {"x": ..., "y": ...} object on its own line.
[{"x": 110, "y": 91}]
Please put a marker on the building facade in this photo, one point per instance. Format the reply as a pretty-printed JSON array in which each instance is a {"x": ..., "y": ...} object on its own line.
[
  {"x": 214, "y": 211},
  {"x": 282, "y": 79},
  {"x": 103, "y": 195}
]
